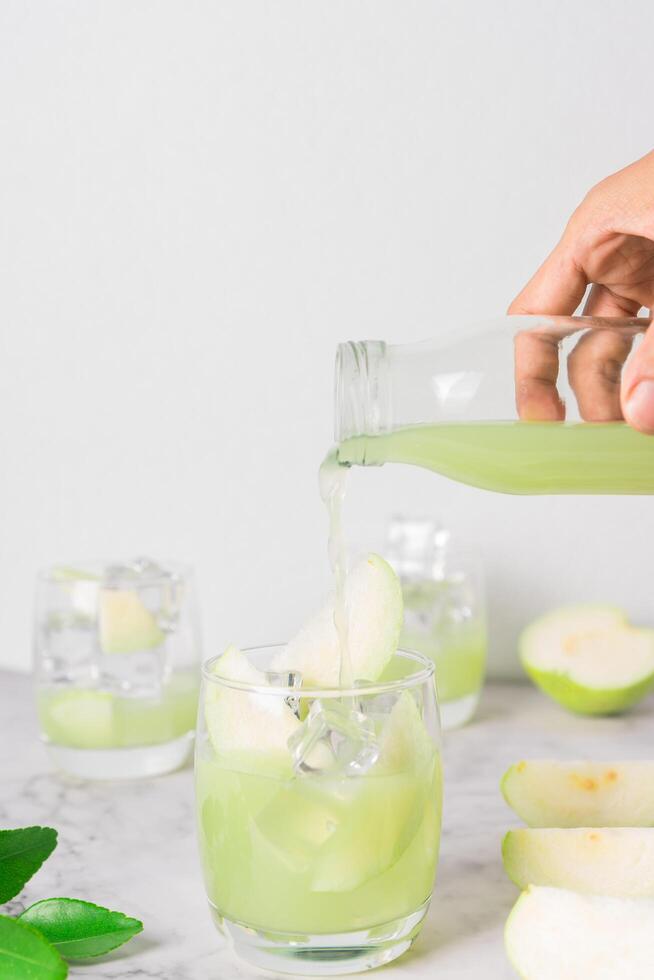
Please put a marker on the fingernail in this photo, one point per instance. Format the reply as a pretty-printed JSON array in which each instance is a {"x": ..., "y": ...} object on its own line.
[{"x": 640, "y": 406}]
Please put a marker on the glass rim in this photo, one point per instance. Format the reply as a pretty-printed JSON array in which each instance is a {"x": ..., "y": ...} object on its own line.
[
  {"x": 167, "y": 570},
  {"x": 426, "y": 671}
]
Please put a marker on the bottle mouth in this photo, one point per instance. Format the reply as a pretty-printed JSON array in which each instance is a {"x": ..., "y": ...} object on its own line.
[{"x": 361, "y": 390}]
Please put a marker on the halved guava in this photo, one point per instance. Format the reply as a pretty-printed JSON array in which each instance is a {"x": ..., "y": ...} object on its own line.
[
  {"x": 546, "y": 793},
  {"x": 373, "y": 600},
  {"x": 589, "y": 659},
  {"x": 554, "y": 934},
  {"x": 600, "y": 861},
  {"x": 126, "y": 626}
]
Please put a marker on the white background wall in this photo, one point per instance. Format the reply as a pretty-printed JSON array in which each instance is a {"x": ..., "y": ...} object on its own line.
[{"x": 199, "y": 199}]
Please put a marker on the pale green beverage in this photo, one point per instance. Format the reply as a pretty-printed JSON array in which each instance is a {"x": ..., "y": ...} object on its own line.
[
  {"x": 458, "y": 649},
  {"x": 519, "y": 457},
  {"x": 317, "y": 854},
  {"x": 92, "y": 718}
]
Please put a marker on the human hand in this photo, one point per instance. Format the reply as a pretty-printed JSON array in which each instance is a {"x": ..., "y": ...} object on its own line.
[{"x": 609, "y": 242}]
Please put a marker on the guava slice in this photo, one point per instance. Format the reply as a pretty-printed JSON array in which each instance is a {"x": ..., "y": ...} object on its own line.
[
  {"x": 546, "y": 793},
  {"x": 299, "y": 820},
  {"x": 553, "y": 934},
  {"x": 589, "y": 659},
  {"x": 373, "y": 599},
  {"x": 404, "y": 742},
  {"x": 389, "y": 808},
  {"x": 375, "y": 830},
  {"x": 615, "y": 861},
  {"x": 79, "y": 719},
  {"x": 126, "y": 626},
  {"x": 249, "y": 730}
]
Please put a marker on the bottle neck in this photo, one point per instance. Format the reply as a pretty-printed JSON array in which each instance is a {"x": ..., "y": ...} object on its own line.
[{"x": 362, "y": 389}]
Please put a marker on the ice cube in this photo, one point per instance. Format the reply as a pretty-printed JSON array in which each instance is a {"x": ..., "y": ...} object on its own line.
[
  {"x": 135, "y": 570},
  {"x": 141, "y": 674},
  {"x": 335, "y": 736},
  {"x": 67, "y": 646},
  {"x": 287, "y": 678},
  {"x": 159, "y": 590},
  {"x": 137, "y": 610},
  {"x": 376, "y": 707}
]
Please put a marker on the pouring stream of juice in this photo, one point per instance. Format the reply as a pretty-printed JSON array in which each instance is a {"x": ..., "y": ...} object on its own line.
[{"x": 332, "y": 480}]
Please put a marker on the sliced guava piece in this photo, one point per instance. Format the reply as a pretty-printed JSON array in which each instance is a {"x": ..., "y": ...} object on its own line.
[
  {"x": 546, "y": 793},
  {"x": 589, "y": 659},
  {"x": 389, "y": 808},
  {"x": 601, "y": 861},
  {"x": 554, "y": 934},
  {"x": 251, "y": 730},
  {"x": 373, "y": 599},
  {"x": 79, "y": 719},
  {"x": 126, "y": 626},
  {"x": 298, "y": 821},
  {"x": 376, "y": 828},
  {"x": 404, "y": 743}
]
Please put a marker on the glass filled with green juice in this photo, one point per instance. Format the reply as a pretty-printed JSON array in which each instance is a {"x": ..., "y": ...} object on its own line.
[
  {"x": 318, "y": 812},
  {"x": 444, "y": 610},
  {"x": 117, "y": 664}
]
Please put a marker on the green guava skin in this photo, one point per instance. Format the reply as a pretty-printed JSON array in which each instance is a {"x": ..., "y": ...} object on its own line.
[{"x": 582, "y": 700}]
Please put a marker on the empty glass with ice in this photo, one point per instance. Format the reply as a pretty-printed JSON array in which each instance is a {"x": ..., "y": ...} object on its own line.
[{"x": 117, "y": 656}]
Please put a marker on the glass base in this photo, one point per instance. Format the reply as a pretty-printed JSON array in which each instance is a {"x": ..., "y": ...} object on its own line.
[
  {"x": 322, "y": 955},
  {"x": 132, "y": 763},
  {"x": 454, "y": 714}
]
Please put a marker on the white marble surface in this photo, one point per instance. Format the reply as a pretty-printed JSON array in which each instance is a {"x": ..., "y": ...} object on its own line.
[{"x": 131, "y": 846}]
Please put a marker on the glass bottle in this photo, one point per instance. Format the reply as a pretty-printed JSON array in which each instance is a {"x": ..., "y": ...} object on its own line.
[{"x": 526, "y": 404}]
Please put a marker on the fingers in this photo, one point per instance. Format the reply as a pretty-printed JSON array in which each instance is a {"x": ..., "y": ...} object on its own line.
[
  {"x": 602, "y": 302},
  {"x": 595, "y": 365},
  {"x": 536, "y": 373},
  {"x": 595, "y": 372},
  {"x": 638, "y": 387},
  {"x": 556, "y": 289}
]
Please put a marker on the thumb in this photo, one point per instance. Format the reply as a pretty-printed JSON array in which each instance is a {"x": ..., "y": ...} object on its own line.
[
  {"x": 556, "y": 288},
  {"x": 638, "y": 386}
]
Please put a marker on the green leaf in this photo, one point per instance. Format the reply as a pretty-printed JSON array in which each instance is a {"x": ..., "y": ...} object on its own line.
[
  {"x": 26, "y": 955},
  {"x": 80, "y": 929},
  {"x": 22, "y": 852}
]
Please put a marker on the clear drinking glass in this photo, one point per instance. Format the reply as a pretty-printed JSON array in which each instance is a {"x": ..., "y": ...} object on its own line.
[
  {"x": 318, "y": 813},
  {"x": 525, "y": 404},
  {"x": 117, "y": 655},
  {"x": 444, "y": 610}
]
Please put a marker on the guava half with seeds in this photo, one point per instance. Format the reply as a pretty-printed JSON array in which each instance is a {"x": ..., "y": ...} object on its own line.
[{"x": 589, "y": 659}]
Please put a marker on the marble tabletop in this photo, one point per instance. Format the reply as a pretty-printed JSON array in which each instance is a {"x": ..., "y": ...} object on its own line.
[{"x": 131, "y": 846}]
